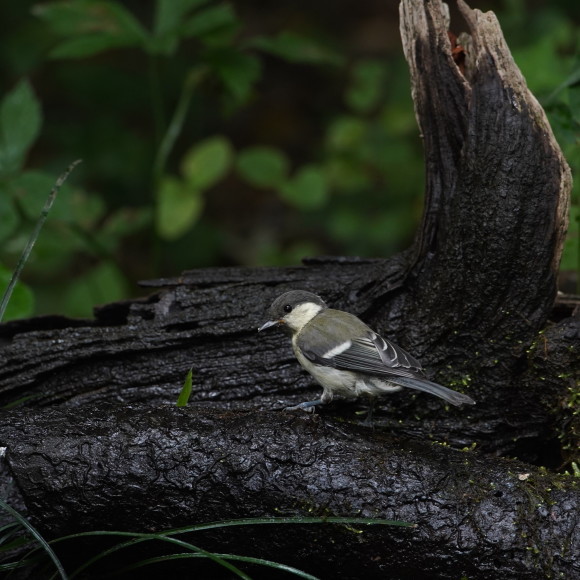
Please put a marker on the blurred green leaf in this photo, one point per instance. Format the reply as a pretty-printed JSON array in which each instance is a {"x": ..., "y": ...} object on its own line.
[
  {"x": 308, "y": 189},
  {"x": 573, "y": 80},
  {"x": 366, "y": 87},
  {"x": 21, "y": 303},
  {"x": 55, "y": 249},
  {"x": 169, "y": 15},
  {"x": 540, "y": 62},
  {"x": 85, "y": 46},
  {"x": 8, "y": 216},
  {"x": 346, "y": 134},
  {"x": 296, "y": 48},
  {"x": 90, "y": 27},
  {"x": 344, "y": 224},
  {"x": 210, "y": 21},
  {"x": 126, "y": 221},
  {"x": 237, "y": 71},
  {"x": 207, "y": 162},
  {"x": 574, "y": 100},
  {"x": 31, "y": 188},
  {"x": 82, "y": 208},
  {"x": 263, "y": 166},
  {"x": 346, "y": 175},
  {"x": 398, "y": 118},
  {"x": 178, "y": 208},
  {"x": 20, "y": 121},
  {"x": 103, "y": 284}
]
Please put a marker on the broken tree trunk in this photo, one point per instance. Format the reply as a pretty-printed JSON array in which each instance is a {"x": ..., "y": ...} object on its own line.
[{"x": 471, "y": 298}]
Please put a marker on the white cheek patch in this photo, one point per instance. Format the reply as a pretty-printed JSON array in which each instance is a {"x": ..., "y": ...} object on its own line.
[
  {"x": 302, "y": 314},
  {"x": 337, "y": 349}
]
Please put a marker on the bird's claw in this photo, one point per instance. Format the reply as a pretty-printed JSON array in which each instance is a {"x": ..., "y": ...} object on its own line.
[{"x": 300, "y": 407}]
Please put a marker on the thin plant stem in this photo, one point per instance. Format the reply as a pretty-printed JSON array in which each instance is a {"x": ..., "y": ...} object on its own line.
[
  {"x": 167, "y": 143},
  {"x": 34, "y": 236},
  {"x": 36, "y": 534}
]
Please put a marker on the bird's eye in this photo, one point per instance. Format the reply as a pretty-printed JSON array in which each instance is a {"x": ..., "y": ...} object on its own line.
[{"x": 287, "y": 308}]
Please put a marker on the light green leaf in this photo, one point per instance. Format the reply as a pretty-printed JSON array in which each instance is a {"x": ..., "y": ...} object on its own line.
[
  {"x": 94, "y": 25},
  {"x": 20, "y": 121},
  {"x": 178, "y": 208},
  {"x": 21, "y": 303},
  {"x": 209, "y": 21},
  {"x": 207, "y": 162},
  {"x": 296, "y": 48},
  {"x": 263, "y": 166},
  {"x": 308, "y": 189},
  {"x": 186, "y": 389}
]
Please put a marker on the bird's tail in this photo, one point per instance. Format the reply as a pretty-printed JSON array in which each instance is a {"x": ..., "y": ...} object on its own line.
[{"x": 448, "y": 395}]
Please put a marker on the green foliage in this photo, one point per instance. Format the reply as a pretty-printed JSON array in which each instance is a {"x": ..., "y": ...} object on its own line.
[
  {"x": 178, "y": 207},
  {"x": 21, "y": 303},
  {"x": 207, "y": 162},
  {"x": 180, "y": 201},
  {"x": 364, "y": 93},
  {"x": 263, "y": 166},
  {"x": 20, "y": 121},
  {"x": 308, "y": 189},
  {"x": 188, "y": 136}
]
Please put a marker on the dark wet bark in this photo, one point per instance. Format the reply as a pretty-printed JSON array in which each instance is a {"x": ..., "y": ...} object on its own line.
[
  {"x": 144, "y": 468},
  {"x": 472, "y": 299}
]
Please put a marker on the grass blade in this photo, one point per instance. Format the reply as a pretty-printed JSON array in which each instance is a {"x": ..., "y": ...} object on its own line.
[
  {"x": 237, "y": 558},
  {"x": 37, "y": 536},
  {"x": 137, "y": 538},
  {"x": 34, "y": 237},
  {"x": 290, "y": 520},
  {"x": 221, "y": 559},
  {"x": 186, "y": 390}
]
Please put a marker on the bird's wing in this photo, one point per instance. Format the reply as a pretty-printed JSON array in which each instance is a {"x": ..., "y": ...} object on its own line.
[
  {"x": 366, "y": 353},
  {"x": 378, "y": 356}
]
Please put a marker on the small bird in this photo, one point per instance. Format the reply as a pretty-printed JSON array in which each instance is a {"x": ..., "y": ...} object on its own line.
[{"x": 345, "y": 356}]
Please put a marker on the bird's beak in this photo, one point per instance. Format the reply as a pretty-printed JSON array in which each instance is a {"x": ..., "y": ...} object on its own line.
[{"x": 270, "y": 323}]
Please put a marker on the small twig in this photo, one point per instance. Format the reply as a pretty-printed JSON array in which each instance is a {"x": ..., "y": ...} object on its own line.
[{"x": 34, "y": 236}]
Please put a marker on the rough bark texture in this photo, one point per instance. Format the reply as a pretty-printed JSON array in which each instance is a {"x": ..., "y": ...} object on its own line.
[
  {"x": 137, "y": 467},
  {"x": 471, "y": 298}
]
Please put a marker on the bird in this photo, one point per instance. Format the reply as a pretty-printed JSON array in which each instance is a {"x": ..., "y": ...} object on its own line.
[{"x": 345, "y": 356}]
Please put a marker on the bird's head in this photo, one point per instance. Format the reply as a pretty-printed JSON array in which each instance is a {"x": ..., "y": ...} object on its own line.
[{"x": 293, "y": 310}]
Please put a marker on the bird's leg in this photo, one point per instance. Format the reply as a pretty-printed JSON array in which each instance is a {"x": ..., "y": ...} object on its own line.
[
  {"x": 371, "y": 409},
  {"x": 307, "y": 406}
]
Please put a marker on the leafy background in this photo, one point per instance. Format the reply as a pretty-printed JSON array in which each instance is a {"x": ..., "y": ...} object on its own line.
[{"x": 220, "y": 133}]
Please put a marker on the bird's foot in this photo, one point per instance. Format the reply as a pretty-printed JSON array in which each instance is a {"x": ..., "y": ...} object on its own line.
[{"x": 307, "y": 406}]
